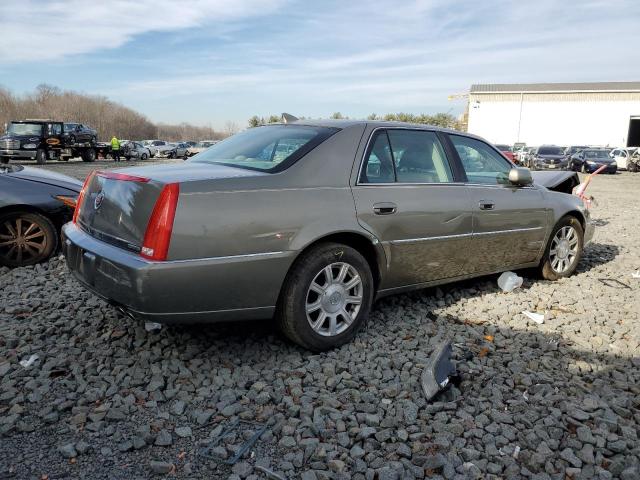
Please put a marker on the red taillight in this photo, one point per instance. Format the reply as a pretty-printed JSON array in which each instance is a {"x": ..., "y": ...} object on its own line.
[
  {"x": 122, "y": 177},
  {"x": 85, "y": 185},
  {"x": 158, "y": 234}
]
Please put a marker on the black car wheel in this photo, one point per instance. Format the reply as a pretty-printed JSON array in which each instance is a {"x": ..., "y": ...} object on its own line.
[
  {"x": 4, "y": 160},
  {"x": 143, "y": 156},
  {"x": 26, "y": 239},
  {"x": 41, "y": 157},
  {"x": 326, "y": 297}
]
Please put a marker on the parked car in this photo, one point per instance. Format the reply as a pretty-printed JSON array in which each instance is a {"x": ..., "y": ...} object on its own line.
[
  {"x": 573, "y": 149},
  {"x": 179, "y": 150},
  {"x": 34, "y": 204},
  {"x": 622, "y": 156},
  {"x": 590, "y": 159},
  {"x": 79, "y": 133},
  {"x": 507, "y": 151},
  {"x": 311, "y": 221},
  {"x": 159, "y": 147},
  {"x": 200, "y": 147},
  {"x": 548, "y": 157},
  {"x": 136, "y": 150}
]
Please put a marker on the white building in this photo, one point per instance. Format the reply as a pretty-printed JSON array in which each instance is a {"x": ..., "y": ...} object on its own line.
[{"x": 604, "y": 113}]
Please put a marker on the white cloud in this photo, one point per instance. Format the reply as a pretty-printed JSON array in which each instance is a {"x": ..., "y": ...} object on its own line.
[{"x": 34, "y": 30}]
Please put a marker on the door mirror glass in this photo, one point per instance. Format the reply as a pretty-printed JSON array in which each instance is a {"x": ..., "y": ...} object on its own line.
[{"x": 520, "y": 176}]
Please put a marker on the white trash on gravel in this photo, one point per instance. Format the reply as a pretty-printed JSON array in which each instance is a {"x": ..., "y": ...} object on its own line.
[
  {"x": 636, "y": 274},
  {"x": 536, "y": 317},
  {"x": 509, "y": 281},
  {"x": 27, "y": 362},
  {"x": 152, "y": 326}
]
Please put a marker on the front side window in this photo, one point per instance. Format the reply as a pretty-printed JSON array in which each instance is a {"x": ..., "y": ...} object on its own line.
[
  {"x": 406, "y": 156},
  {"x": 270, "y": 148},
  {"x": 481, "y": 163}
]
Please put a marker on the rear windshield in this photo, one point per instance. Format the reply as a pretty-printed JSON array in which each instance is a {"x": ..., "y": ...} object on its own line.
[
  {"x": 271, "y": 148},
  {"x": 550, "y": 151}
]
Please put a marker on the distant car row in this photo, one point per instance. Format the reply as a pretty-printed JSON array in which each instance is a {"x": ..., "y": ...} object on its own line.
[
  {"x": 586, "y": 159},
  {"x": 161, "y": 148}
]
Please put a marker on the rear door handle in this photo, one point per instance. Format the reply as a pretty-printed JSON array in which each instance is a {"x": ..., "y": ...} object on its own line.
[
  {"x": 385, "y": 208},
  {"x": 486, "y": 205}
]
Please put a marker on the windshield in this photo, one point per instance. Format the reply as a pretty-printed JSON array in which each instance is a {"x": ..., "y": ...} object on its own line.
[
  {"x": 158, "y": 143},
  {"x": 549, "y": 151},
  {"x": 268, "y": 149},
  {"x": 503, "y": 148},
  {"x": 68, "y": 127},
  {"x": 25, "y": 129},
  {"x": 599, "y": 154},
  {"x": 204, "y": 144}
]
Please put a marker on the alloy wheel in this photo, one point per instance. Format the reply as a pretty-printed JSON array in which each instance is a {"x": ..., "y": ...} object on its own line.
[
  {"x": 564, "y": 249},
  {"x": 22, "y": 240},
  {"x": 333, "y": 299}
]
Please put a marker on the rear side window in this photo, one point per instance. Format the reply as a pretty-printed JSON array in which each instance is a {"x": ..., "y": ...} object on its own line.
[
  {"x": 406, "y": 156},
  {"x": 481, "y": 163}
]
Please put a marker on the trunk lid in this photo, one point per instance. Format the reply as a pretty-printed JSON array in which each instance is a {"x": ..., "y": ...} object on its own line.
[{"x": 118, "y": 204}]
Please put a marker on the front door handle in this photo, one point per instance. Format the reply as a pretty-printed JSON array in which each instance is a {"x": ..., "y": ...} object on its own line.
[
  {"x": 385, "y": 208},
  {"x": 486, "y": 205}
]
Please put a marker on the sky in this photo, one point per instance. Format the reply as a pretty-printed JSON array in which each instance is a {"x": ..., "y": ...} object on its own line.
[{"x": 208, "y": 62}]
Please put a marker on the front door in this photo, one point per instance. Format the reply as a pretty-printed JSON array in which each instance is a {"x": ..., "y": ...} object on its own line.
[
  {"x": 509, "y": 222},
  {"x": 408, "y": 197}
]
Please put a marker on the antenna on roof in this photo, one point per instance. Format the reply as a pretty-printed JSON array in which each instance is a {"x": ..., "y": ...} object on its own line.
[{"x": 288, "y": 118}]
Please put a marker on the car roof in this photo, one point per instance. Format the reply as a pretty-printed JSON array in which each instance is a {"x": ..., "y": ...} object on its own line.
[{"x": 345, "y": 123}]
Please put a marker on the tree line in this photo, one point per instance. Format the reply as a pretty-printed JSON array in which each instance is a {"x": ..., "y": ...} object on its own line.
[
  {"x": 444, "y": 120},
  {"x": 106, "y": 116}
]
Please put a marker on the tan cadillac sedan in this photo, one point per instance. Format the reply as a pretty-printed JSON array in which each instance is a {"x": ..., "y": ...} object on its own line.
[{"x": 310, "y": 221}]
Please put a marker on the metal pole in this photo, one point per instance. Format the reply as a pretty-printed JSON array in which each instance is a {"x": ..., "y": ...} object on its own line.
[{"x": 520, "y": 116}]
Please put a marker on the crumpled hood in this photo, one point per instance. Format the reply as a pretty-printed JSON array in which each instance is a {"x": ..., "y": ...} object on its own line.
[{"x": 557, "y": 181}]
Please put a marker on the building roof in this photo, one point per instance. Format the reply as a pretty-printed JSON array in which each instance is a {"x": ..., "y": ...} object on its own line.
[{"x": 555, "y": 87}]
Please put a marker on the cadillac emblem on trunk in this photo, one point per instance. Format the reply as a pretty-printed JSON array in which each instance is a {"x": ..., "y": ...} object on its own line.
[{"x": 98, "y": 201}]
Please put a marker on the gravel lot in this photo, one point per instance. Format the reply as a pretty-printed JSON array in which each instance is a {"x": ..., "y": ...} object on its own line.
[{"x": 561, "y": 400}]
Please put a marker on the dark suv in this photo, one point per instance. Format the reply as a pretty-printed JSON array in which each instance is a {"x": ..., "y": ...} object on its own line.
[
  {"x": 549, "y": 157},
  {"x": 79, "y": 133}
]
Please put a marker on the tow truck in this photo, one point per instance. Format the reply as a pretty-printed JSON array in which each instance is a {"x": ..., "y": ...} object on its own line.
[{"x": 42, "y": 140}]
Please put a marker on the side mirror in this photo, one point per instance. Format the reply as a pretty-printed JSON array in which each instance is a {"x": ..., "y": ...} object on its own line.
[{"x": 520, "y": 176}]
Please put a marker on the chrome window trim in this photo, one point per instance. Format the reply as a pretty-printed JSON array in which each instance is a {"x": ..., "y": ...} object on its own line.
[
  {"x": 227, "y": 257},
  {"x": 413, "y": 129},
  {"x": 463, "y": 235}
]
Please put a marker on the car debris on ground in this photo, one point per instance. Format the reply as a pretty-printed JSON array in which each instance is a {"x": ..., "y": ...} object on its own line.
[
  {"x": 438, "y": 372},
  {"x": 509, "y": 281},
  {"x": 536, "y": 317}
]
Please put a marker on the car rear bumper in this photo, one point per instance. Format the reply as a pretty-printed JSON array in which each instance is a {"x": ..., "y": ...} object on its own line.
[
  {"x": 18, "y": 154},
  {"x": 191, "y": 291}
]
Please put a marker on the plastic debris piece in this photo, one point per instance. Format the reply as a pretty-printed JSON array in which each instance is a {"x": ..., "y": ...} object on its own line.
[
  {"x": 438, "y": 371},
  {"x": 509, "y": 281},
  {"x": 536, "y": 317},
  {"x": 488, "y": 338},
  {"x": 237, "y": 427},
  {"x": 27, "y": 362},
  {"x": 269, "y": 473},
  {"x": 152, "y": 326},
  {"x": 636, "y": 274},
  {"x": 516, "y": 452},
  {"x": 525, "y": 395},
  {"x": 613, "y": 283}
]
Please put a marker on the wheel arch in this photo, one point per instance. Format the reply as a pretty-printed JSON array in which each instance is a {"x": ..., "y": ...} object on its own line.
[
  {"x": 369, "y": 247},
  {"x": 56, "y": 220}
]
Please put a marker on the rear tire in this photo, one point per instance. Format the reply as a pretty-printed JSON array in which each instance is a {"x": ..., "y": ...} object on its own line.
[
  {"x": 143, "y": 156},
  {"x": 41, "y": 157},
  {"x": 89, "y": 155},
  {"x": 555, "y": 263},
  {"x": 26, "y": 238},
  {"x": 319, "y": 313}
]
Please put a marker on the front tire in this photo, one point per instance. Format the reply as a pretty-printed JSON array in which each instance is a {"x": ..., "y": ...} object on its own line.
[
  {"x": 41, "y": 157},
  {"x": 564, "y": 249},
  {"x": 326, "y": 297},
  {"x": 89, "y": 155},
  {"x": 144, "y": 156},
  {"x": 26, "y": 239}
]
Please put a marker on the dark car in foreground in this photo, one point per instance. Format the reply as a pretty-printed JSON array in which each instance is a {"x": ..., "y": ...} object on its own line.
[
  {"x": 590, "y": 159},
  {"x": 34, "y": 204},
  {"x": 311, "y": 221},
  {"x": 549, "y": 157}
]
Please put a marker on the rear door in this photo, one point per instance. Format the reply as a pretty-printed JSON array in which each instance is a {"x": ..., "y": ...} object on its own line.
[
  {"x": 409, "y": 197},
  {"x": 509, "y": 222}
]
